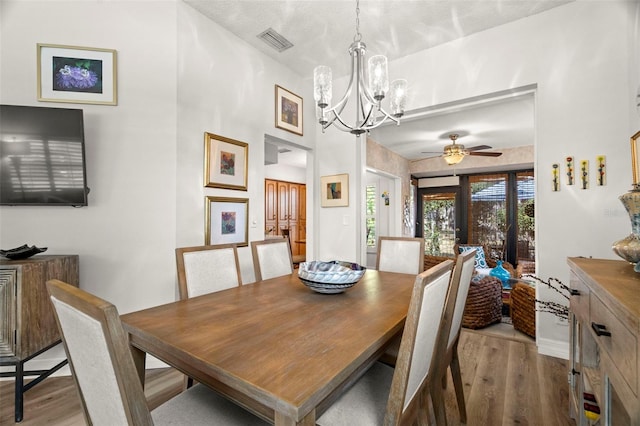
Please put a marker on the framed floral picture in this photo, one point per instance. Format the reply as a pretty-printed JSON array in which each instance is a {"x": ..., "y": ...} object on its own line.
[
  {"x": 288, "y": 111},
  {"x": 226, "y": 221},
  {"x": 74, "y": 74},
  {"x": 225, "y": 162},
  {"x": 334, "y": 190}
]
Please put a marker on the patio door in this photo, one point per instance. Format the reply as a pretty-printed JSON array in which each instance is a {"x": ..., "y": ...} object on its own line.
[
  {"x": 495, "y": 210},
  {"x": 437, "y": 219}
]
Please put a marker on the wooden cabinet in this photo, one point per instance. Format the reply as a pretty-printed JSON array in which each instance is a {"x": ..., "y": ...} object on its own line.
[
  {"x": 605, "y": 342},
  {"x": 285, "y": 208},
  {"x": 27, "y": 323},
  {"x": 270, "y": 207}
]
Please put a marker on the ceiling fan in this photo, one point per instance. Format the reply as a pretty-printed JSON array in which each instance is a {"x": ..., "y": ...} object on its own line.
[{"x": 455, "y": 153}]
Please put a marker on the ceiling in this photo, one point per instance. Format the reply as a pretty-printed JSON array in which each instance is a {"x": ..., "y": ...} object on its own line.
[
  {"x": 321, "y": 32},
  {"x": 499, "y": 123}
]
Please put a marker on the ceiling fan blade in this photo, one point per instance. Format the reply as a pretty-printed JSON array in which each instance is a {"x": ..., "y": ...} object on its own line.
[
  {"x": 486, "y": 154},
  {"x": 478, "y": 147},
  {"x": 431, "y": 152}
]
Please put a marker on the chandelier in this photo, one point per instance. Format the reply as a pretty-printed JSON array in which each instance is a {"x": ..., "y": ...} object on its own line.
[{"x": 369, "y": 92}]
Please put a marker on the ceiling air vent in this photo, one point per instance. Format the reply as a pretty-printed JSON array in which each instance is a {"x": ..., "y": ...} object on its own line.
[{"x": 275, "y": 40}]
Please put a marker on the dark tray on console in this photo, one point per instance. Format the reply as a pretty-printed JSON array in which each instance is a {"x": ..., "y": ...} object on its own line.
[{"x": 22, "y": 252}]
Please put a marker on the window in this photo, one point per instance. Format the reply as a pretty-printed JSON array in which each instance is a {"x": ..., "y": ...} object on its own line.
[
  {"x": 526, "y": 222},
  {"x": 487, "y": 218}
]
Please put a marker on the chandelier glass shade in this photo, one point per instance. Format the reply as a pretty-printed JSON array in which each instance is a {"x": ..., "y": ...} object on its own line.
[{"x": 371, "y": 86}]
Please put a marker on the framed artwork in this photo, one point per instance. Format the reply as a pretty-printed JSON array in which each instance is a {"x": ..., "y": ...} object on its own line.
[
  {"x": 226, "y": 221},
  {"x": 334, "y": 190},
  {"x": 225, "y": 162},
  {"x": 635, "y": 158},
  {"x": 555, "y": 177},
  {"x": 570, "y": 170},
  {"x": 584, "y": 174},
  {"x": 83, "y": 75},
  {"x": 601, "y": 162},
  {"x": 288, "y": 111}
]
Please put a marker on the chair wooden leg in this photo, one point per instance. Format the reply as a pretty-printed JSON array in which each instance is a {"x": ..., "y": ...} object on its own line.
[
  {"x": 457, "y": 386},
  {"x": 437, "y": 399},
  {"x": 424, "y": 415}
]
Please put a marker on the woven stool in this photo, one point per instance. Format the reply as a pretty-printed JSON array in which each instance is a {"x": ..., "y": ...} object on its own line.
[
  {"x": 523, "y": 308},
  {"x": 484, "y": 302}
]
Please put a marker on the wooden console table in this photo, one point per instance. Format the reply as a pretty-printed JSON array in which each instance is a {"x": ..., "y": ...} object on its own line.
[
  {"x": 604, "y": 342},
  {"x": 27, "y": 325}
]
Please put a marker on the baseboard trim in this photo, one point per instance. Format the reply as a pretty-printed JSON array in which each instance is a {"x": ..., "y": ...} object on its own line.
[{"x": 554, "y": 348}]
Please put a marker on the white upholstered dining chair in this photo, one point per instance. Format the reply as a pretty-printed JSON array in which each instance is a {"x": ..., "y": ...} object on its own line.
[
  {"x": 384, "y": 395},
  {"x": 105, "y": 375},
  {"x": 206, "y": 269},
  {"x": 271, "y": 258},
  {"x": 404, "y": 255},
  {"x": 462, "y": 273},
  {"x": 400, "y": 254}
]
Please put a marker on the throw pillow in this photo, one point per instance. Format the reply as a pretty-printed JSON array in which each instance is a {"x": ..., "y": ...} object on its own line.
[{"x": 480, "y": 260}]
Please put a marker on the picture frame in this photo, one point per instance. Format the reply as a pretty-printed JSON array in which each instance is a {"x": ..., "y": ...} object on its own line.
[
  {"x": 289, "y": 112},
  {"x": 226, "y": 221},
  {"x": 635, "y": 159},
  {"x": 226, "y": 162},
  {"x": 334, "y": 190},
  {"x": 74, "y": 74}
]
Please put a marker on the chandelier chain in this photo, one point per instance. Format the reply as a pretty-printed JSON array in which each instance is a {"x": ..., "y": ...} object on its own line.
[{"x": 357, "y": 36}]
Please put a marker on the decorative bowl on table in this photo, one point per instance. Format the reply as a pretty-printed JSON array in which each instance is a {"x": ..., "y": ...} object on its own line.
[
  {"x": 330, "y": 277},
  {"x": 22, "y": 252}
]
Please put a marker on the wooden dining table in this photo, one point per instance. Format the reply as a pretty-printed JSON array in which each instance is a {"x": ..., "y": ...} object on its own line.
[{"x": 276, "y": 347}]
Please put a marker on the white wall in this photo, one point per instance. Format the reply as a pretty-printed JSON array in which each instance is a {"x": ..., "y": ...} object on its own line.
[
  {"x": 125, "y": 237},
  {"x": 225, "y": 87},
  {"x": 285, "y": 172},
  {"x": 582, "y": 57}
]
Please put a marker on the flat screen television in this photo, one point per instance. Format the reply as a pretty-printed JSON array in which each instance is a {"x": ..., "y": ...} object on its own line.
[{"x": 42, "y": 156}]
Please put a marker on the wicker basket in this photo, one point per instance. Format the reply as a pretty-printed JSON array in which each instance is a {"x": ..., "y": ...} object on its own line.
[
  {"x": 430, "y": 261},
  {"x": 523, "y": 308},
  {"x": 484, "y": 303}
]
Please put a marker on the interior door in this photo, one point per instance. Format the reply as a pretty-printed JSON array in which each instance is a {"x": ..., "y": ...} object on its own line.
[{"x": 270, "y": 207}]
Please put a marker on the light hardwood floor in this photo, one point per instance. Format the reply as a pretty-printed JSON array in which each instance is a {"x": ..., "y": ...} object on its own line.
[{"x": 505, "y": 381}]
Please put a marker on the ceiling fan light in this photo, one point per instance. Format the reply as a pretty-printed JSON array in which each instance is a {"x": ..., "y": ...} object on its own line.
[{"x": 453, "y": 158}]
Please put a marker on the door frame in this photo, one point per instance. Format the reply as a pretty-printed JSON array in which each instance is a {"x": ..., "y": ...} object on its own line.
[{"x": 395, "y": 207}]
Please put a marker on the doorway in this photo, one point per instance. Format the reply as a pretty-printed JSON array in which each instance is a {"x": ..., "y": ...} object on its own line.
[
  {"x": 288, "y": 175},
  {"x": 380, "y": 207}
]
